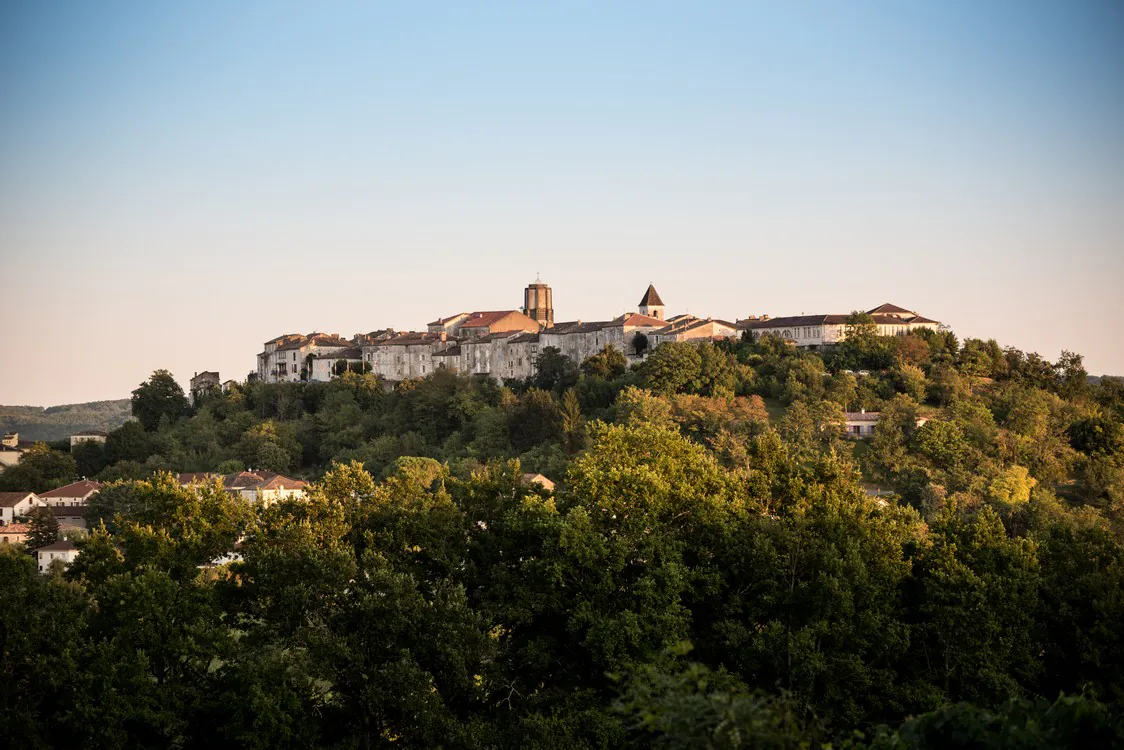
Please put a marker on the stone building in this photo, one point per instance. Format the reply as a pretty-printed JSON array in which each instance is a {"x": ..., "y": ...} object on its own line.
[
  {"x": 203, "y": 383},
  {"x": 286, "y": 358},
  {"x": 89, "y": 436},
  {"x": 815, "y": 331},
  {"x": 324, "y": 365},
  {"x": 538, "y": 303}
]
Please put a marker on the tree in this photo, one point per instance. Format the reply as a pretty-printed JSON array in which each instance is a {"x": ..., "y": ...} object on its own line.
[
  {"x": 158, "y": 397},
  {"x": 554, "y": 371},
  {"x": 673, "y": 367},
  {"x": 43, "y": 527},
  {"x": 534, "y": 419},
  {"x": 40, "y": 468},
  {"x": 607, "y": 364}
]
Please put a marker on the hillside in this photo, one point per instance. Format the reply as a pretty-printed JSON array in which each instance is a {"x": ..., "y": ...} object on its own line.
[{"x": 57, "y": 422}]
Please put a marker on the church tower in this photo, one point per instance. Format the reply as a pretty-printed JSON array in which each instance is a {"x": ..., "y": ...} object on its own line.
[
  {"x": 538, "y": 303},
  {"x": 651, "y": 304}
]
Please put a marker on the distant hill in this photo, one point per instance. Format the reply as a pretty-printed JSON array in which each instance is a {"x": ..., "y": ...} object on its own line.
[{"x": 57, "y": 422}]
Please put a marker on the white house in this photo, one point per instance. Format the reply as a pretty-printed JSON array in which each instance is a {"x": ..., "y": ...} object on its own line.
[
  {"x": 861, "y": 424},
  {"x": 64, "y": 550},
  {"x": 266, "y": 487},
  {"x": 815, "y": 331},
  {"x": 89, "y": 436},
  {"x": 71, "y": 495},
  {"x": 14, "y": 504},
  {"x": 10, "y": 450}
]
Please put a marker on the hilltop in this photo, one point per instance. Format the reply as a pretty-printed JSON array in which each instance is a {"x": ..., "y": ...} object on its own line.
[{"x": 57, "y": 422}]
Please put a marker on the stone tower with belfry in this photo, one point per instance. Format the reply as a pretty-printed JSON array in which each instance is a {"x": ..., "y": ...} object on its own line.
[{"x": 538, "y": 302}]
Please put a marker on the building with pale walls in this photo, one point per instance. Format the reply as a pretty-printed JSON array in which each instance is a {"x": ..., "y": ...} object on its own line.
[
  {"x": 15, "y": 533},
  {"x": 72, "y": 495},
  {"x": 506, "y": 344},
  {"x": 17, "y": 505},
  {"x": 817, "y": 331},
  {"x": 89, "y": 436},
  {"x": 64, "y": 550}
]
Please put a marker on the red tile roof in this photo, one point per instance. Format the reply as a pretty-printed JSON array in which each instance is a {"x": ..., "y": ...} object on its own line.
[
  {"x": 75, "y": 489},
  {"x": 488, "y": 318},
  {"x": 636, "y": 320},
  {"x": 16, "y": 528}
]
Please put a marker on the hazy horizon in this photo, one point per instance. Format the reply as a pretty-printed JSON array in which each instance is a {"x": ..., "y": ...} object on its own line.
[{"x": 179, "y": 183}]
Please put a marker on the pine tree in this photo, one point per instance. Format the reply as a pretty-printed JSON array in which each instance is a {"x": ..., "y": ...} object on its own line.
[{"x": 44, "y": 528}]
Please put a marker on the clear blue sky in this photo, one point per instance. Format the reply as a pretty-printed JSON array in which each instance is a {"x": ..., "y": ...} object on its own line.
[{"x": 180, "y": 181}]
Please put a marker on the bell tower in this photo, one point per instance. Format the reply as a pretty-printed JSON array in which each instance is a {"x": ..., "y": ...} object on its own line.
[
  {"x": 538, "y": 303},
  {"x": 651, "y": 304}
]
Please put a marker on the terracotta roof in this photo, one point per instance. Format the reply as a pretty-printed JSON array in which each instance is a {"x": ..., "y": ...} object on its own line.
[
  {"x": 64, "y": 545},
  {"x": 923, "y": 319},
  {"x": 888, "y": 308},
  {"x": 242, "y": 480},
  {"x": 540, "y": 480},
  {"x": 284, "y": 483},
  {"x": 75, "y": 489},
  {"x": 193, "y": 477},
  {"x": 11, "y": 499},
  {"x": 636, "y": 320},
  {"x": 651, "y": 297},
  {"x": 16, "y": 528},
  {"x": 487, "y": 318}
]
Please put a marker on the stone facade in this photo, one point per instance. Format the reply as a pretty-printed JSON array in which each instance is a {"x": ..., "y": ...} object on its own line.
[
  {"x": 504, "y": 344},
  {"x": 816, "y": 331}
]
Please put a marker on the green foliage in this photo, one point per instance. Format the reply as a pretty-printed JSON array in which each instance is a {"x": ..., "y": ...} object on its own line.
[
  {"x": 158, "y": 398},
  {"x": 59, "y": 422},
  {"x": 424, "y": 594},
  {"x": 43, "y": 527},
  {"x": 41, "y": 468}
]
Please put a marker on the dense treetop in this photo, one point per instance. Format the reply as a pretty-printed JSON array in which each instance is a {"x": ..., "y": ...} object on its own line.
[{"x": 718, "y": 566}]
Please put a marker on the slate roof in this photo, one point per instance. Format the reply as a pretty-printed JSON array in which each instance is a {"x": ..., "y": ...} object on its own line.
[
  {"x": 63, "y": 511},
  {"x": 651, "y": 297},
  {"x": 859, "y": 416}
]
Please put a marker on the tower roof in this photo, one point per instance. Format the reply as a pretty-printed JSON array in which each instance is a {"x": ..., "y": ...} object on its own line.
[{"x": 651, "y": 297}]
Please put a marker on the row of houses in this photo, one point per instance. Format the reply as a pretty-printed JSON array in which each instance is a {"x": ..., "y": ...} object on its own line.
[
  {"x": 68, "y": 504},
  {"x": 506, "y": 343}
]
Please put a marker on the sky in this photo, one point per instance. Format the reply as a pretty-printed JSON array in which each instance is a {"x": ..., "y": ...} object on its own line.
[{"x": 180, "y": 182}]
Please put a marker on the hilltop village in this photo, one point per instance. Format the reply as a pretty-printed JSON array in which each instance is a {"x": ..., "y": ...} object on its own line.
[{"x": 505, "y": 344}]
